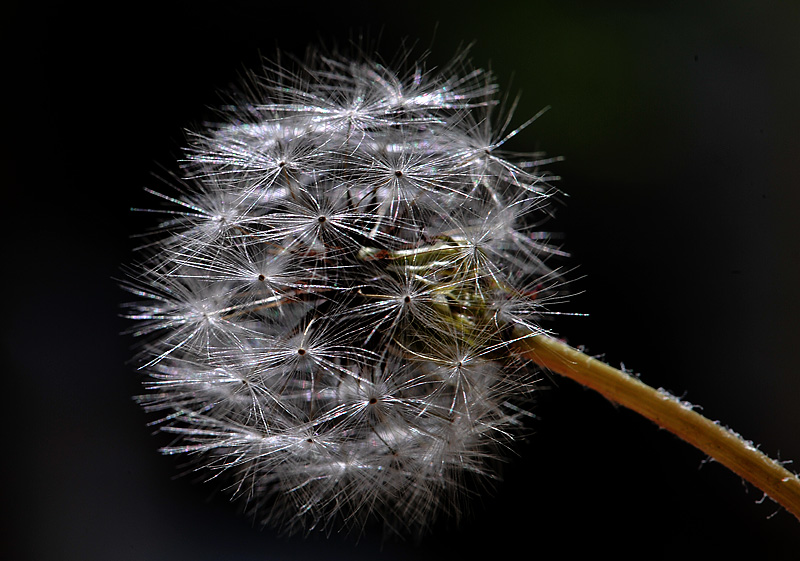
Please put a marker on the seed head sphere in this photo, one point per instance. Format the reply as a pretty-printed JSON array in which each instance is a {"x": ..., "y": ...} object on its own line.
[{"x": 326, "y": 307}]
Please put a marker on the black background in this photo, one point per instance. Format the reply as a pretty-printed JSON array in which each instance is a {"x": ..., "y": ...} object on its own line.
[{"x": 679, "y": 125}]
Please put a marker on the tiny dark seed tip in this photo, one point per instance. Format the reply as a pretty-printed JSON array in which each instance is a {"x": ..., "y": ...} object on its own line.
[
  {"x": 301, "y": 351},
  {"x": 261, "y": 278}
]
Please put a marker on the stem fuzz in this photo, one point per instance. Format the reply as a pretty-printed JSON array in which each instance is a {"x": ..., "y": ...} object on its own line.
[{"x": 722, "y": 444}]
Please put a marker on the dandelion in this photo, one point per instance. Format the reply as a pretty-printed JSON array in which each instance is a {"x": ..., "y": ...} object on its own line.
[{"x": 341, "y": 310}]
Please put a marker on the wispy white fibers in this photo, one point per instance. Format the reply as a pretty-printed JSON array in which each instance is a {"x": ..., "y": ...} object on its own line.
[{"x": 326, "y": 305}]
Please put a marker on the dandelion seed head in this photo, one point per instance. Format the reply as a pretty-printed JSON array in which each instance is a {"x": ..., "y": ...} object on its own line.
[{"x": 325, "y": 307}]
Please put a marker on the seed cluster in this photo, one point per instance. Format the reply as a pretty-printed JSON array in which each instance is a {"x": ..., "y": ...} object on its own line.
[{"x": 326, "y": 307}]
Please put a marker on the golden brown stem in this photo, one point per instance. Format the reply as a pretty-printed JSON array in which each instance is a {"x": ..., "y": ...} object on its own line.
[{"x": 722, "y": 444}]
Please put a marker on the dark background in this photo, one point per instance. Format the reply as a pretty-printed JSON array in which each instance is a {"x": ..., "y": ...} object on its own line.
[{"x": 679, "y": 124}]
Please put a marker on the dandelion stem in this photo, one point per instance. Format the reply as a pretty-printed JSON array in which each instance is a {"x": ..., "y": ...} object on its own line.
[{"x": 722, "y": 444}]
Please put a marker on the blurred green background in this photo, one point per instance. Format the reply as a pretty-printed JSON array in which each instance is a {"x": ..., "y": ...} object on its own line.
[{"x": 679, "y": 123}]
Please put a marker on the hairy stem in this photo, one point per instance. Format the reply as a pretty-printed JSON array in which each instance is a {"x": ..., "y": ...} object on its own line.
[{"x": 722, "y": 444}]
